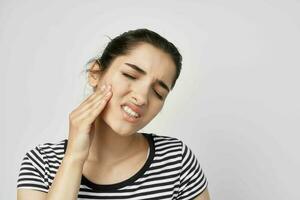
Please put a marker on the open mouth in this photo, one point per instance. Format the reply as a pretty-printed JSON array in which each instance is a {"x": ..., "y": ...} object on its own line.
[{"x": 130, "y": 112}]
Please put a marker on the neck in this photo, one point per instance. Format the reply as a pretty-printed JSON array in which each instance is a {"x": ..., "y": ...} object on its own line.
[{"x": 108, "y": 146}]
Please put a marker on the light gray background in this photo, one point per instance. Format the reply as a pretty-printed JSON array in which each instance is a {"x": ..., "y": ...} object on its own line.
[{"x": 236, "y": 103}]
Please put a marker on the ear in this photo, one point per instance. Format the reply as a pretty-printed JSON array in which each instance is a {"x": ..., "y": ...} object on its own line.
[{"x": 94, "y": 74}]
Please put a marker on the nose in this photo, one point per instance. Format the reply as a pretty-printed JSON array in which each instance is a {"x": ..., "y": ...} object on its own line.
[
  {"x": 139, "y": 100},
  {"x": 140, "y": 96}
]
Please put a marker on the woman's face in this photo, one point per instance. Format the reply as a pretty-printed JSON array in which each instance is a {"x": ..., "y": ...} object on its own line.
[{"x": 140, "y": 82}]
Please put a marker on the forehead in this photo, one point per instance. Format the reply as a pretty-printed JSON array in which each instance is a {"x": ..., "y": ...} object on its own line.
[{"x": 154, "y": 61}]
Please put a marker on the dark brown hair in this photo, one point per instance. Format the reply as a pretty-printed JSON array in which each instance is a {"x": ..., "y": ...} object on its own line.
[{"x": 127, "y": 41}]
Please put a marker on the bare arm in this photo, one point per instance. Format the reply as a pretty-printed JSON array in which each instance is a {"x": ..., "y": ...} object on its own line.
[
  {"x": 26, "y": 194},
  {"x": 67, "y": 180},
  {"x": 64, "y": 186},
  {"x": 66, "y": 183},
  {"x": 203, "y": 196}
]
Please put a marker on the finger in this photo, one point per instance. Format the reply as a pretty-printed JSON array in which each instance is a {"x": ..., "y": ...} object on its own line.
[
  {"x": 95, "y": 109},
  {"x": 86, "y": 106},
  {"x": 91, "y": 99},
  {"x": 101, "y": 103},
  {"x": 94, "y": 99},
  {"x": 95, "y": 93}
]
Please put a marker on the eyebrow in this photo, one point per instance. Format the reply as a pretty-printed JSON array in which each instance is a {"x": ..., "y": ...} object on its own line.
[{"x": 141, "y": 71}]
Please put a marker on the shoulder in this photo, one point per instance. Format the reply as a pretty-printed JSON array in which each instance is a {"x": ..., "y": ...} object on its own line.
[
  {"x": 49, "y": 148},
  {"x": 174, "y": 145},
  {"x": 192, "y": 179},
  {"x": 58, "y": 147},
  {"x": 40, "y": 164},
  {"x": 47, "y": 152},
  {"x": 166, "y": 140},
  {"x": 165, "y": 144}
]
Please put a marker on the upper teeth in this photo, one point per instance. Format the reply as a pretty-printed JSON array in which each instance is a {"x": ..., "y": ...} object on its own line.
[{"x": 130, "y": 112}]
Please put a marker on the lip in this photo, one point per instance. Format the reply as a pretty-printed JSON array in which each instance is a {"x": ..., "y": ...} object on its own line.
[
  {"x": 129, "y": 118},
  {"x": 134, "y": 108}
]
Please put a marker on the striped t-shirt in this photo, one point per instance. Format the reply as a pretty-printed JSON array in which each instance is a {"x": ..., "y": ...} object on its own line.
[{"x": 171, "y": 171}]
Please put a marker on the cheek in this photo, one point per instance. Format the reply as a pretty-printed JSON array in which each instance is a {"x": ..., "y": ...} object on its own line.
[
  {"x": 153, "y": 110},
  {"x": 119, "y": 89},
  {"x": 119, "y": 86}
]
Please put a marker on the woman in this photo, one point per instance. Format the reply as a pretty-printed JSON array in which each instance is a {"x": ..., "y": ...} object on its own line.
[{"x": 104, "y": 156}]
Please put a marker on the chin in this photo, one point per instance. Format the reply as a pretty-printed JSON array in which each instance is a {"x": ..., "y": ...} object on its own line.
[
  {"x": 115, "y": 121},
  {"x": 115, "y": 118},
  {"x": 120, "y": 129}
]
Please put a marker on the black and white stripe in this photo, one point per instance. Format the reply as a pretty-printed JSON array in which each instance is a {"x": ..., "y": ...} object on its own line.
[{"x": 171, "y": 171}]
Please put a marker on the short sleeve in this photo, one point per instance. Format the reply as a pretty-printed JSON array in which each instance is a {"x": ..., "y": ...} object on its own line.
[
  {"x": 32, "y": 171},
  {"x": 192, "y": 179}
]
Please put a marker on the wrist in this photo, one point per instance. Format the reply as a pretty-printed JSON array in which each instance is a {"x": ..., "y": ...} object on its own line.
[{"x": 74, "y": 159}]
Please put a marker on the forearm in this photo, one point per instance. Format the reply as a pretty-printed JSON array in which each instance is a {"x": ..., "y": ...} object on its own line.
[{"x": 66, "y": 183}]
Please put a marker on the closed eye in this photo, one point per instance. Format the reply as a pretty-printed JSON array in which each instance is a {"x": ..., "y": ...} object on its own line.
[
  {"x": 132, "y": 77},
  {"x": 128, "y": 76},
  {"x": 158, "y": 95}
]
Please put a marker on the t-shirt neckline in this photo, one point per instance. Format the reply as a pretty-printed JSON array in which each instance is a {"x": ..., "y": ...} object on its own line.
[{"x": 110, "y": 187}]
